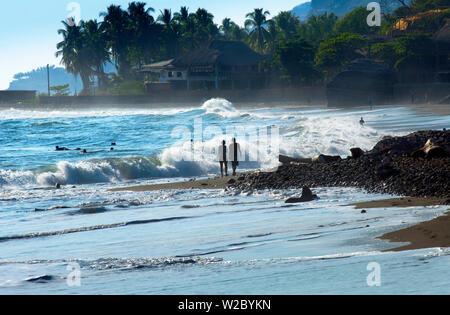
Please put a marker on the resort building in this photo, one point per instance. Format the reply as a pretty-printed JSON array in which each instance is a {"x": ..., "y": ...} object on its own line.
[{"x": 220, "y": 65}]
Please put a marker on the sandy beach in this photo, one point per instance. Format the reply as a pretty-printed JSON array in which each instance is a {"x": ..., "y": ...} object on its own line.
[
  {"x": 209, "y": 183},
  {"x": 429, "y": 234}
]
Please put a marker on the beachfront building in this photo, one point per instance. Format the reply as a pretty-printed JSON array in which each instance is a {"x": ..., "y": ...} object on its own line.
[{"x": 219, "y": 65}]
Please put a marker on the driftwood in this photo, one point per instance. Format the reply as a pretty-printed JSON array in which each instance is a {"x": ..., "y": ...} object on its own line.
[{"x": 429, "y": 150}]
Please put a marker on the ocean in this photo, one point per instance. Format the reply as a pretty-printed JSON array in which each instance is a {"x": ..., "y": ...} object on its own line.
[{"x": 86, "y": 239}]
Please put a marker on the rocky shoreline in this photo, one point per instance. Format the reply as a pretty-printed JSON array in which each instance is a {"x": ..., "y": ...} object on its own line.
[{"x": 416, "y": 165}]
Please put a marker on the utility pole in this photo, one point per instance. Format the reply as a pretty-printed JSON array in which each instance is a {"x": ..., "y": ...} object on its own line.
[{"x": 48, "y": 79}]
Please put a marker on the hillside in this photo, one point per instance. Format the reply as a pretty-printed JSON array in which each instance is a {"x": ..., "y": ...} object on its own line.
[{"x": 338, "y": 7}]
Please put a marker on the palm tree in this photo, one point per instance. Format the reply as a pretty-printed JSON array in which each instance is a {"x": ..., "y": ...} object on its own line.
[
  {"x": 95, "y": 45},
  {"x": 256, "y": 23},
  {"x": 143, "y": 34},
  {"x": 116, "y": 24},
  {"x": 73, "y": 56},
  {"x": 182, "y": 16},
  {"x": 227, "y": 27},
  {"x": 205, "y": 29},
  {"x": 166, "y": 18}
]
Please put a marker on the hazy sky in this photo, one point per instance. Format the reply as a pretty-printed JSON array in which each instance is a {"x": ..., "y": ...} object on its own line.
[{"x": 28, "y": 28}]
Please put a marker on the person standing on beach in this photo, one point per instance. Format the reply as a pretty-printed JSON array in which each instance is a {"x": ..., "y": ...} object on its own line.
[
  {"x": 223, "y": 158},
  {"x": 235, "y": 153}
]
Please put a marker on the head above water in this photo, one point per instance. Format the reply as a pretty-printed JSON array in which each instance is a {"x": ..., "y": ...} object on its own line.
[{"x": 223, "y": 142}]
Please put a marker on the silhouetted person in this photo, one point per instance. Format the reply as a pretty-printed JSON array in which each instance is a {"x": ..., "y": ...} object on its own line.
[
  {"x": 222, "y": 156},
  {"x": 235, "y": 153},
  {"x": 362, "y": 121},
  {"x": 84, "y": 151},
  {"x": 57, "y": 148}
]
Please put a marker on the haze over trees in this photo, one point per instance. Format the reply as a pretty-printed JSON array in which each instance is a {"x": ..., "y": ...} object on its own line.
[{"x": 304, "y": 52}]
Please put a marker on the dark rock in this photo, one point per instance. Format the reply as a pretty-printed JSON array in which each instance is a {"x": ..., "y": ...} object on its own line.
[
  {"x": 307, "y": 195},
  {"x": 231, "y": 181},
  {"x": 363, "y": 211},
  {"x": 356, "y": 153},
  {"x": 322, "y": 158},
  {"x": 287, "y": 159}
]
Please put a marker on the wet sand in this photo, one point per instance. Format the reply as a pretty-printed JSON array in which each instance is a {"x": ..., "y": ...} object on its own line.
[
  {"x": 433, "y": 233},
  {"x": 209, "y": 183},
  {"x": 400, "y": 202},
  {"x": 429, "y": 234},
  {"x": 437, "y": 109}
]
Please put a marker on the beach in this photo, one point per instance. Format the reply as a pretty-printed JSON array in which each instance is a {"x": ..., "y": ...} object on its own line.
[{"x": 154, "y": 216}]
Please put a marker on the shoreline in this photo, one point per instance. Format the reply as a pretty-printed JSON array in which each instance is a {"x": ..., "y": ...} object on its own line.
[{"x": 428, "y": 234}]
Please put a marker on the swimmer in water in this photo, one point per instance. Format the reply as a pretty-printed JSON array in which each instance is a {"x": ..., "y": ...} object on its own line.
[
  {"x": 362, "y": 122},
  {"x": 57, "y": 148}
]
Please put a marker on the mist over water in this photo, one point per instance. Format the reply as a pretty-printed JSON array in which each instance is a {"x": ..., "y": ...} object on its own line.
[
  {"x": 123, "y": 240},
  {"x": 157, "y": 143}
]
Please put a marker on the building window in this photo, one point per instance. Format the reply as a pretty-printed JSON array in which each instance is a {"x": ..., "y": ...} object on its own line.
[
  {"x": 179, "y": 74},
  {"x": 170, "y": 74}
]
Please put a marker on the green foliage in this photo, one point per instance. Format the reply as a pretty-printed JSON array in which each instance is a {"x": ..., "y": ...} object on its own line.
[
  {"x": 425, "y": 5},
  {"x": 60, "y": 90},
  {"x": 415, "y": 50},
  {"x": 337, "y": 52},
  {"x": 128, "y": 88},
  {"x": 317, "y": 28},
  {"x": 355, "y": 22},
  {"x": 296, "y": 60}
]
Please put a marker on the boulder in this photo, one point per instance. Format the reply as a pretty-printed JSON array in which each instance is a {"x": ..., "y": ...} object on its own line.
[
  {"x": 322, "y": 158},
  {"x": 356, "y": 153},
  {"x": 386, "y": 171},
  {"x": 307, "y": 195}
]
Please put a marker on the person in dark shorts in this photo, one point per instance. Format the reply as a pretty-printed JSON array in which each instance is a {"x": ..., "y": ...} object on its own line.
[
  {"x": 235, "y": 153},
  {"x": 222, "y": 156}
]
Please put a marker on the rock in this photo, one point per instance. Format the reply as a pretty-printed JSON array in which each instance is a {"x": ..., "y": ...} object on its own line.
[
  {"x": 287, "y": 159},
  {"x": 231, "y": 181},
  {"x": 356, "y": 153},
  {"x": 58, "y": 186},
  {"x": 322, "y": 158},
  {"x": 307, "y": 195},
  {"x": 363, "y": 211},
  {"x": 386, "y": 171}
]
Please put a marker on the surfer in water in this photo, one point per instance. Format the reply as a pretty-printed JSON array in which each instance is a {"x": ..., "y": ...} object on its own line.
[
  {"x": 235, "y": 153},
  {"x": 362, "y": 122},
  {"x": 58, "y": 148},
  {"x": 222, "y": 155}
]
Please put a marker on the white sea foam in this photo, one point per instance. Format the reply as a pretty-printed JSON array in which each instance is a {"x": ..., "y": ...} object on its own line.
[{"x": 221, "y": 107}]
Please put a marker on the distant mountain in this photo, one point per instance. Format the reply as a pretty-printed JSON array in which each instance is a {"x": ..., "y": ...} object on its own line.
[
  {"x": 339, "y": 7},
  {"x": 302, "y": 10},
  {"x": 37, "y": 79}
]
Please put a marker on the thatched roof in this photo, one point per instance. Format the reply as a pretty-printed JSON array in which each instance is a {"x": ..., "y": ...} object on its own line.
[
  {"x": 232, "y": 53},
  {"x": 443, "y": 35}
]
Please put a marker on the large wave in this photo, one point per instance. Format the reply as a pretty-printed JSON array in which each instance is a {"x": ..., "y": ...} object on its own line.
[{"x": 301, "y": 134}]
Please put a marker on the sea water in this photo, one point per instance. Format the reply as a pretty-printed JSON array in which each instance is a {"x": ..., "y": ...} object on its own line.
[{"x": 86, "y": 239}]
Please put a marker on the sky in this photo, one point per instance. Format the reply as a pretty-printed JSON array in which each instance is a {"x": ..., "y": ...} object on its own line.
[{"x": 28, "y": 28}]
